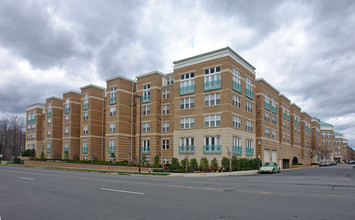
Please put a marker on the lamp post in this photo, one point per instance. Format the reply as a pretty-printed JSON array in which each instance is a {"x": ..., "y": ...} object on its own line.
[
  {"x": 259, "y": 142},
  {"x": 140, "y": 131}
]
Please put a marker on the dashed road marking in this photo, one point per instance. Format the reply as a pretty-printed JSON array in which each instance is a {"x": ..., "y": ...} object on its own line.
[
  {"x": 25, "y": 178},
  {"x": 122, "y": 191}
]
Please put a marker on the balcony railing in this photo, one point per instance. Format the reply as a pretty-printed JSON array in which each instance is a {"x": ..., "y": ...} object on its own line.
[
  {"x": 66, "y": 110},
  {"x": 299, "y": 123},
  {"x": 288, "y": 118},
  {"x": 85, "y": 106},
  {"x": 112, "y": 100},
  {"x": 237, "y": 150},
  {"x": 146, "y": 150},
  {"x": 284, "y": 115},
  {"x": 249, "y": 151},
  {"x": 146, "y": 98},
  {"x": 187, "y": 90},
  {"x": 295, "y": 122},
  {"x": 237, "y": 87},
  {"x": 111, "y": 149},
  {"x": 215, "y": 84},
  {"x": 84, "y": 150},
  {"x": 267, "y": 106},
  {"x": 274, "y": 109},
  {"x": 49, "y": 114},
  {"x": 48, "y": 149},
  {"x": 31, "y": 121},
  {"x": 187, "y": 149},
  {"x": 249, "y": 94},
  {"x": 212, "y": 149}
]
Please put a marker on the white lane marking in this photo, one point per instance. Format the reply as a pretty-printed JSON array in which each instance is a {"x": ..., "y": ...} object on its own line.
[
  {"x": 122, "y": 191},
  {"x": 25, "y": 178}
]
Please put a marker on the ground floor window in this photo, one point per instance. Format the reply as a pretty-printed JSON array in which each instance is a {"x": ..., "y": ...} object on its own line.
[{"x": 165, "y": 160}]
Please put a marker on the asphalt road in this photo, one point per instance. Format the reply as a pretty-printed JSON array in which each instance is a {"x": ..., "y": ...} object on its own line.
[{"x": 311, "y": 193}]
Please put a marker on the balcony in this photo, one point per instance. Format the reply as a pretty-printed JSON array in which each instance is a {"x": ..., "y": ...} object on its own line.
[
  {"x": 295, "y": 122},
  {"x": 237, "y": 150},
  {"x": 187, "y": 149},
  {"x": 48, "y": 149},
  {"x": 249, "y": 94},
  {"x": 111, "y": 149},
  {"x": 146, "y": 98},
  {"x": 237, "y": 87},
  {"x": 284, "y": 115},
  {"x": 66, "y": 110},
  {"x": 212, "y": 85},
  {"x": 112, "y": 100},
  {"x": 274, "y": 110},
  {"x": 31, "y": 121},
  {"x": 187, "y": 90},
  {"x": 85, "y": 106},
  {"x": 299, "y": 123},
  {"x": 249, "y": 151},
  {"x": 84, "y": 150},
  {"x": 212, "y": 149},
  {"x": 146, "y": 150},
  {"x": 49, "y": 114},
  {"x": 66, "y": 149},
  {"x": 267, "y": 106},
  {"x": 288, "y": 118}
]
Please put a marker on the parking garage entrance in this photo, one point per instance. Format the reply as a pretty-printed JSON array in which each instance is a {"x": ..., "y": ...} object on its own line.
[{"x": 285, "y": 164}]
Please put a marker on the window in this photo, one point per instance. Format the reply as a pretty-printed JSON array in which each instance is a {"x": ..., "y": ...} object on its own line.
[
  {"x": 212, "y": 145},
  {"x": 249, "y": 151},
  {"x": 236, "y": 100},
  {"x": 49, "y": 134},
  {"x": 187, "y": 103},
  {"x": 86, "y": 102},
  {"x": 33, "y": 137},
  {"x": 66, "y": 119},
  {"x": 249, "y": 106},
  {"x": 165, "y": 127},
  {"x": 274, "y": 109},
  {"x": 28, "y": 127},
  {"x": 146, "y": 127},
  {"x": 165, "y": 144},
  {"x": 284, "y": 124},
  {"x": 28, "y": 137},
  {"x": 48, "y": 148},
  {"x": 49, "y": 110},
  {"x": 146, "y": 109},
  {"x": 85, "y": 130},
  {"x": 146, "y": 147},
  {"x": 165, "y": 160},
  {"x": 236, "y": 141},
  {"x": 213, "y": 99},
  {"x": 186, "y": 123},
  {"x": 212, "y": 120},
  {"x": 66, "y": 132},
  {"x": 273, "y": 119},
  {"x": 273, "y": 134},
  {"x": 112, "y": 127},
  {"x": 66, "y": 109},
  {"x": 165, "y": 110},
  {"x": 49, "y": 122},
  {"x": 113, "y": 111},
  {"x": 85, "y": 147},
  {"x": 187, "y": 84},
  {"x": 33, "y": 127},
  {"x": 85, "y": 157},
  {"x": 284, "y": 138},
  {"x": 249, "y": 125},
  {"x": 66, "y": 147},
  {"x": 267, "y": 116},
  {"x": 267, "y": 132},
  {"x": 170, "y": 80},
  {"x": 236, "y": 121},
  {"x": 236, "y": 81},
  {"x": 146, "y": 90},
  {"x": 112, "y": 99},
  {"x": 249, "y": 88},
  {"x": 187, "y": 145},
  {"x": 111, "y": 146},
  {"x": 212, "y": 78},
  {"x": 86, "y": 116},
  {"x": 267, "y": 100},
  {"x": 166, "y": 93},
  {"x": 288, "y": 139}
]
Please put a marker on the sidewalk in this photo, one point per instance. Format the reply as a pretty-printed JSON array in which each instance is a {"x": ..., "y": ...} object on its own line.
[{"x": 234, "y": 173}]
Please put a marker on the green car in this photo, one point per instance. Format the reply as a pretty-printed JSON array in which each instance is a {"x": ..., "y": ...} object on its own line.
[{"x": 270, "y": 167}]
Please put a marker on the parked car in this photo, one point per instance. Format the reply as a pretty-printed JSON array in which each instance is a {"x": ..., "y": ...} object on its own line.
[
  {"x": 351, "y": 162},
  {"x": 323, "y": 164},
  {"x": 334, "y": 163},
  {"x": 270, "y": 167}
]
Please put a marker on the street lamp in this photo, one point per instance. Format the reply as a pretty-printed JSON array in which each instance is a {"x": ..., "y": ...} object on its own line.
[
  {"x": 140, "y": 130},
  {"x": 259, "y": 142}
]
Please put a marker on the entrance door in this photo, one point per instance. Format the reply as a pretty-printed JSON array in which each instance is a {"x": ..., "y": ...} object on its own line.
[
  {"x": 266, "y": 156},
  {"x": 274, "y": 155},
  {"x": 285, "y": 164}
]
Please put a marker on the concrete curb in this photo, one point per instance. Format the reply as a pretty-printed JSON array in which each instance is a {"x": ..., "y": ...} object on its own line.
[{"x": 234, "y": 173}]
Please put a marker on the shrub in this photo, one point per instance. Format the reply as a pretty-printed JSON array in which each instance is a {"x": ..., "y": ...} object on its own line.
[
  {"x": 244, "y": 164},
  {"x": 214, "y": 164},
  {"x": 193, "y": 164},
  {"x": 42, "y": 155},
  {"x": 175, "y": 163},
  {"x": 295, "y": 161},
  {"x": 204, "y": 164},
  {"x": 183, "y": 163},
  {"x": 235, "y": 163},
  {"x": 28, "y": 153},
  {"x": 144, "y": 159},
  {"x": 225, "y": 164},
  {"x": 156, "y": 160}
]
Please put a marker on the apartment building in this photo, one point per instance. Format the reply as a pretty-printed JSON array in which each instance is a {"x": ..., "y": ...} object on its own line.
[
  {"x": 34, "y": 127},
  {"x": 52, "y": 126},
  {"x": 316, "y": 140},
  {"x": 120, "y": 117},
  {"x": 267, "y": 122},
  {"x": 71, "y": 125},
  {"x": 295, "y": 129},
  {"x": 307, "y": 153},
  {"x": 339, "y": 149},
  {"x": 92, "y": 123},
  {"x": 327, "y": 140},
  {"x": 287, "y": 152},
  {"x": 218, "y": 111}
]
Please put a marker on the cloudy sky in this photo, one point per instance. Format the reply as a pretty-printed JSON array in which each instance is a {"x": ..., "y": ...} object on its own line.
[{"x": 306, "y": 49}]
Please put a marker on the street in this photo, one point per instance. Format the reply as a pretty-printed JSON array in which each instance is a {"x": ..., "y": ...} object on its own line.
[{"x": 310, "y": 193}]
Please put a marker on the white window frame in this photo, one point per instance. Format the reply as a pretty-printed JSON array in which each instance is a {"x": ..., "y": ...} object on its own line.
[
  {"x": 146, "y": 127},
  {"x": 85, "y": 130},
  {"x": 249, "y": 125},
  {"x": 212, "y": 120},
  {"x": 187, "y": 79},
  {"x": 146, "y": 90},
  {"x": 236, "y": 76},
  {"x": 165, "y": 144},
  {"x": 267, "y": 116},
  {"x": 267, "y": 132},
  {"x": 165, "y": 127},
  {"x": 187, "y": 103},
  {"x": 165, "y": 93},
  {"x": 212, "y": 99},
  {"x": 236, "y": 100},
  {"x": 165, "y": 109},
  {"x": 248, "y": 83},
  {"x": 249, "y": 106},
  {"x": 187, "y": 123},
  {"x": 236, "y": 121},
  {"x": 85, "y": 116},
  {"x": 146, "y": 110},
  {"x": 112, "y": 127},
  {"x": 274, "y": 134},
  {"x": 113, "y": 111},
  {"x": 212, "y": 74},
  {"x": 66, "y": 132},
  {"x": 66, "y": 119}
]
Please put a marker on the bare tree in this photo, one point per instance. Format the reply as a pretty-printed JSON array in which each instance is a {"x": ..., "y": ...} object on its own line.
[{"x": 11, "y": 136}]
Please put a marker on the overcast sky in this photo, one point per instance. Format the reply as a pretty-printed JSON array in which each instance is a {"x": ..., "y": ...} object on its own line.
[{"x": 306, "y": 49}]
